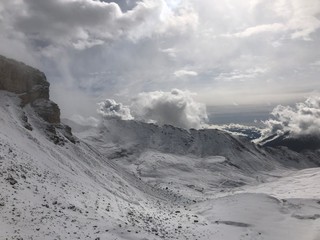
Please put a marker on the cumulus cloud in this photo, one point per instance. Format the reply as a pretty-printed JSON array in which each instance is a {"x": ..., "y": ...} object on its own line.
[
  {"x": 110, "y": 109},
  {"x": 85, "y": 23},
  {"x": 301, "y": 120},
  {"x": 176, "y": 108}
]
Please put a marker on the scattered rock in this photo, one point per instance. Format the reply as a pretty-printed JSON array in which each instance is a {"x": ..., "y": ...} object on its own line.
[
  {"x": 307, "y": 217},
  {"x": 72, "y": 207},
  {"x": 231, "y": 223},
  {"x": 11, "y": 180}
]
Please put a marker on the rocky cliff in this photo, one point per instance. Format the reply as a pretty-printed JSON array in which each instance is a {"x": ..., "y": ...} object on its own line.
[{"x": 31, "y": 86}]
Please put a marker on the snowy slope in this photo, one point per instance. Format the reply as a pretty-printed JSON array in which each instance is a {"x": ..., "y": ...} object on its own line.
[
  {"x": 208, "y": 167},
  {"x": 131, "y": 137},
  {"x": 68, "y": 192},
  {"x": 120, "y": 183}
]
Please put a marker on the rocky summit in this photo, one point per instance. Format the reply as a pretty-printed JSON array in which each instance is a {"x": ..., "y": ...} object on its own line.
[{"x": 31, "y": 86}]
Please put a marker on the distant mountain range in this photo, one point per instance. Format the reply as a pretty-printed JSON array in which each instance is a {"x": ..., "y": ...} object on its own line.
[{"x": 295, "y": 143}]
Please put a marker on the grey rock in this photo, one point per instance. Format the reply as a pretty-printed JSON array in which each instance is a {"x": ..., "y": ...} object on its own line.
[
  {"x": 47, "y": 110},
  {"x": 30, "y": 85},
  {"x": 11, "y": 180}
]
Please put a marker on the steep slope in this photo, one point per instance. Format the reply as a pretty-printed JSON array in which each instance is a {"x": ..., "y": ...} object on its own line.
[
  {"x": 71, "y": 191},
  {"x": 130, "y": 180},
  {"x": 191, "y": 164},
  {"x": 67, "y": 191},
  {"x": 235, "y": 189}
]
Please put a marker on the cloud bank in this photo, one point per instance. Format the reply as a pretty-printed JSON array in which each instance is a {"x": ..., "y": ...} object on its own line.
[
  {"x": 83, "y": 24},
  {"x": 301, "y": 120},
  {"x": 176, "y": 108},
  {"x": 254, "y": 51}
]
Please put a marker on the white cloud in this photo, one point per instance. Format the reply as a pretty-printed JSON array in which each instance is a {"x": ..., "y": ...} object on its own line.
[
  {"x": 275, "y": 27},
  {"x": 302, "y": 17},
  {"x": 300, "y": 120},
  {"x": 297, "y": 18},
  {"x": 176, "y": 108},
  {"x": 110, "y": 109},
  {"x": 170, "y": 51},
  {"x": 185, "y": 73},
  {"x": 239, "y": 75}
]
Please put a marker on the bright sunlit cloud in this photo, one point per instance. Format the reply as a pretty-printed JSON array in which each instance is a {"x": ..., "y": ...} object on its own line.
[
  {"x": 300, "y": 120},
  {"x": 249, "y": 52}
]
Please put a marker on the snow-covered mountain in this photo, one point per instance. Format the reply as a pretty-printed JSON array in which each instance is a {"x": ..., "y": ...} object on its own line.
[
  {"x": 295, "y": 143},
  {"x": 132, "y": 180}
]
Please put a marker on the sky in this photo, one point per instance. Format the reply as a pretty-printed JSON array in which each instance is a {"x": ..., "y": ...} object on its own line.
[{"x": 219, "y": 52}]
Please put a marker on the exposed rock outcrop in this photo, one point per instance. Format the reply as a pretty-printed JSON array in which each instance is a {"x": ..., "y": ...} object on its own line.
[
  {"x": 48, "y": 110},
  {"x": 30, "y": 85}
]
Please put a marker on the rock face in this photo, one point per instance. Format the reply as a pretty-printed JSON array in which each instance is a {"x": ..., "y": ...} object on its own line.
[
  {"x": 47, "y": 109},
  {"x": 30, "y": 85}
]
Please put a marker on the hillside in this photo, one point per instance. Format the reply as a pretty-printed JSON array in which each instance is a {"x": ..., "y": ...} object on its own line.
[{"x": 132, "y": 180}]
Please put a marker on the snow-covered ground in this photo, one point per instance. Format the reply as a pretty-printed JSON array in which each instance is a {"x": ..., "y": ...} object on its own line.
[{"x": 130, "y": 180}]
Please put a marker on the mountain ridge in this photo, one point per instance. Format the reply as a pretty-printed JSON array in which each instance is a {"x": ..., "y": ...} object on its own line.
[
  {"x": 133, "y": 181},
  {"x": 296, "y": 143}
]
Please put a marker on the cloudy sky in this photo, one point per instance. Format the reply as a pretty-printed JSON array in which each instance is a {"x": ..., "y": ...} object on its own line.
[{"x": 228, "y": 52}]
